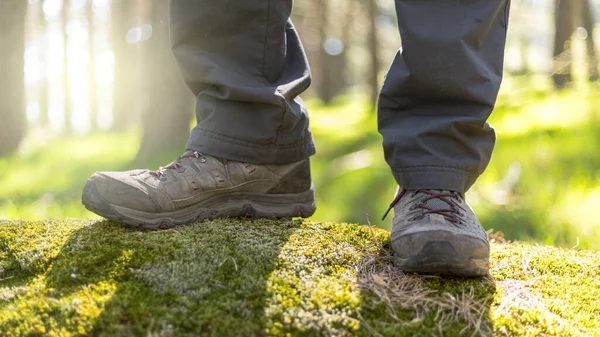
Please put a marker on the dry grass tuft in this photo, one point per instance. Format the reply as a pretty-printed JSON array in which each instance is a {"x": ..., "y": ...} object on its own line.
[
  {"x": 496, "y": 237},
  {"x": 408, "y": 292}
]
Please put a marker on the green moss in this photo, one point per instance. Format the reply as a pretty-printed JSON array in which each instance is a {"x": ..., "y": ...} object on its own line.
[{"x": 276, "y": 278}]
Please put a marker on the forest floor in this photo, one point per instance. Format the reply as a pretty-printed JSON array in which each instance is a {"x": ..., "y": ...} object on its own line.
[{"x": 242, "y": 277}]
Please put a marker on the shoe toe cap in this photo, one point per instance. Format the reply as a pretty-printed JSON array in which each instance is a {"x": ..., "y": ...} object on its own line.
[
  {"x": 465, "y": 245},
  {"x": 120, "y": 189}
]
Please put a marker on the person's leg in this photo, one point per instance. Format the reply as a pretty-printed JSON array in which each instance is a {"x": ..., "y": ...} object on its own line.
[
  {"x": 440, "y": 90},
  {"x": 248, "y": 155},
  {"x": 246, "y": 65},
  {"x": 433, "y": 107}
]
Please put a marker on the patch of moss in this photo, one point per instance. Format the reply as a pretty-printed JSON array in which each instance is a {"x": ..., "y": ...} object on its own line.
[{"x": 275, "y": 278}]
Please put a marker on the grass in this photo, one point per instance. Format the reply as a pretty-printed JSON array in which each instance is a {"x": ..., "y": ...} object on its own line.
[
  {"x": 542, "y": 185},
  {"x": 46, "y": 180},
  {"x": 276, "y": 278},
  {"x": 544, "y": 178}
]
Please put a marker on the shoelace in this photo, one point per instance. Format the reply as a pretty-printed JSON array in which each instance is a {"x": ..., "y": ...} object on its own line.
[
  {"x": 451, "y": 214},
  {"x": 160, "y": 173},
  {"x": 175, "y": 165}
]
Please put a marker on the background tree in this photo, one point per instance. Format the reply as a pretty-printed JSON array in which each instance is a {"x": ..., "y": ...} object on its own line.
[
  {"x": 587, "y": 22},
  {"x": 36, "y": 11},
  {"x": 373, "y": 45},
  {"x": 68, "y": 113},
  {"x": 166, "y": 117},
  {"x": 126, "y": 67},
  {"x": 12, "y": 83},
  {"x": 568, "y": 15},
  {"x": 89, "y": 11}
]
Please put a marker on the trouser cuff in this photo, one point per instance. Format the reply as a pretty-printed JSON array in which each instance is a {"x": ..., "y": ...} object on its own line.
[
  {"x": 238, "y": 150},
  {"x": 435, "y": 178}
]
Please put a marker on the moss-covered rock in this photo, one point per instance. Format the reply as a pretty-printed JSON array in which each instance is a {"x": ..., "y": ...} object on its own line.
[{"x": 275, "y": 278}]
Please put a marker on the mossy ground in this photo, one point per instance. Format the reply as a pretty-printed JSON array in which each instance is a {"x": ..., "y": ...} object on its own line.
[{"x": 275, "y": 278}]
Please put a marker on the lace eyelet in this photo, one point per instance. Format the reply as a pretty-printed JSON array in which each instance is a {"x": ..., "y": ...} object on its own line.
[
  {"x": 180, "y": 169},
  {"x": 200, "y": 156},
  {"x": 162, "y": 178}
]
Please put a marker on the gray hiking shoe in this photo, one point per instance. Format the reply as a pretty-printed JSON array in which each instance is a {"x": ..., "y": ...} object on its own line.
[
  {"x": 436, "y": 232},
  {"x": 197, "y": 187}
]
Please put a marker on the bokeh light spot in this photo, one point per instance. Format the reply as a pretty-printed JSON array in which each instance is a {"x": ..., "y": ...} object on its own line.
[{"x": 333, "y": 46}]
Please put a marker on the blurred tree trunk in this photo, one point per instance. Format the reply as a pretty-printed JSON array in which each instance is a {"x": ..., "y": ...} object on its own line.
[
  {"x": 332, "y": 50},
  {"x": 12, "y": 81},
  {"x": 564, "y": 26},
  {"x": 347, "y": 34},
  {"x": 66, "y": 4},
  {"x": 42, "y": 89},
  {"x": 126, "y": 83},
  {"x": 92, "y": 68},
  {"x": 587, "y": 20},
  {"x": 522, "y": 15},
  {"x": 325, "y": 84},
  {"x": 44, "y": 98},
  {"x": 166, "y": 120},
  {"x": 373, "y": 44},
  {"x": 524, "y": 52}
]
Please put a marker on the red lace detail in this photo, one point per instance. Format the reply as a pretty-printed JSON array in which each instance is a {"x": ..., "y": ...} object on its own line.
[{"x": 394, "y": 202}]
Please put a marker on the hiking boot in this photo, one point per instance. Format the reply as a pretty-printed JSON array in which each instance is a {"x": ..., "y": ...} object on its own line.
[
  {"x": 436, "y": 232},
  {"x": 196, "y": 187}
]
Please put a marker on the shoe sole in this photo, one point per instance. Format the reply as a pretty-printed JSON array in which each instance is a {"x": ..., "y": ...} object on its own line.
[
  {"x": 441, "y": 258},
  {"x": 280, "y": 206}
]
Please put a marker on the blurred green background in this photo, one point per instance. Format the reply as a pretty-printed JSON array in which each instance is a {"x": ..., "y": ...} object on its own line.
[{"x": 79, "y": 95}]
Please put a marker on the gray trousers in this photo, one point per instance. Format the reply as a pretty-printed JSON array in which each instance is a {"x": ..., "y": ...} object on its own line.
[{"x": 245, "y": 63}]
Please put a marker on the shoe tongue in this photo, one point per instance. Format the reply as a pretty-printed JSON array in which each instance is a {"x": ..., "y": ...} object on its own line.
[
  {"x": 436, "y": 203},
  {"x": 192, "y": 152},
  {"x": 188, "y": 153}
]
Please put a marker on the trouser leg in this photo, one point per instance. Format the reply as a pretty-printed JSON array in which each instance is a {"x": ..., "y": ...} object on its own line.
[
  {"x": 245, "y": 62},
  {"x": 440, "y": 90}
]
